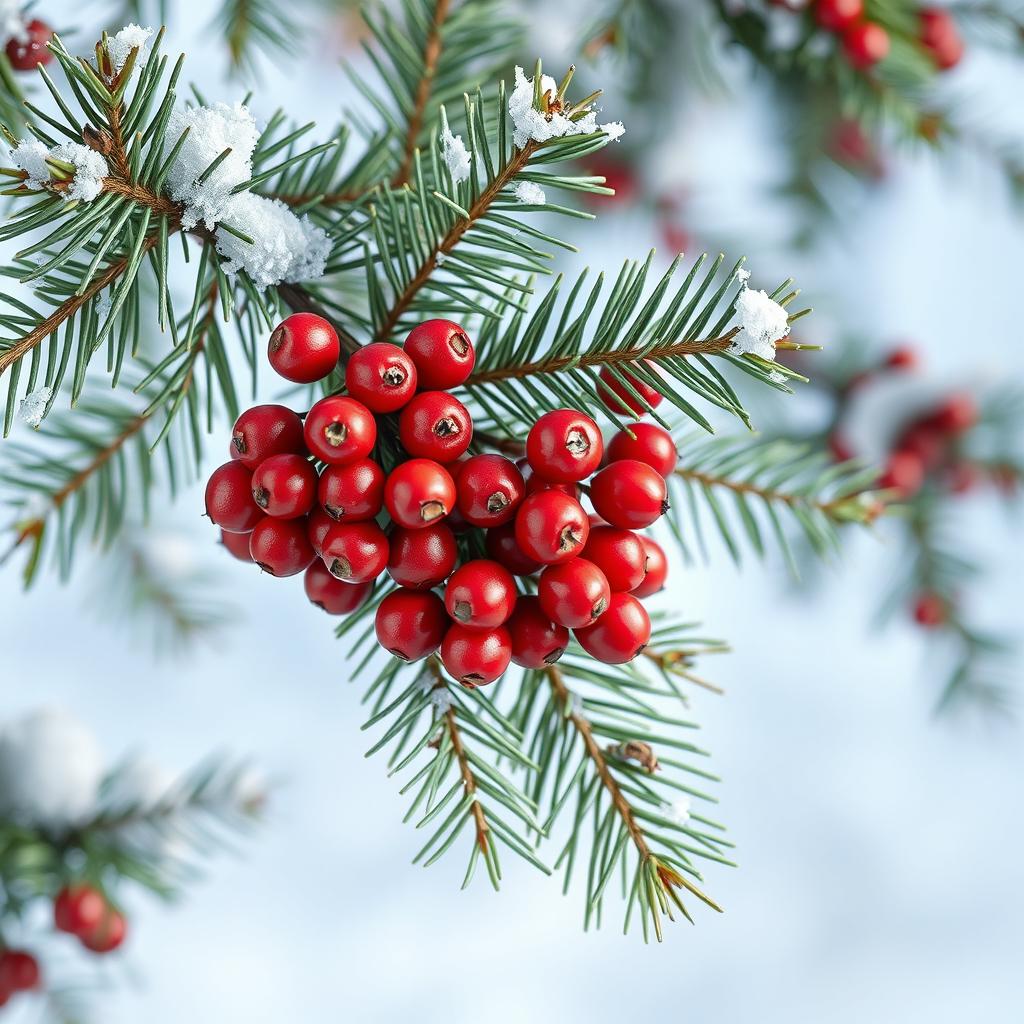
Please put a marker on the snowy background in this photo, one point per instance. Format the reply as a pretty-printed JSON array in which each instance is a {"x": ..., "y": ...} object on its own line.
[{"x": 880, "y": 850}]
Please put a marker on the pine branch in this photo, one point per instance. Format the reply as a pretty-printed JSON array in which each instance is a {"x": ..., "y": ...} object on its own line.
[{"x": 251, "y": 26}]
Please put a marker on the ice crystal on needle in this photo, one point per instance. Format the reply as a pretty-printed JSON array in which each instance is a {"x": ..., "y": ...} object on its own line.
[
  {"x": 456, "y": 156},
  {"x": 530, "y": 193}
]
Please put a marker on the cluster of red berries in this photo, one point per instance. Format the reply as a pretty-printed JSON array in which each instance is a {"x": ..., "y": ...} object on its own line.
[
  {"x": 429, "y": 521},
  {"x": 83, "y": 911},
  {"x": 28, "y": 48}
]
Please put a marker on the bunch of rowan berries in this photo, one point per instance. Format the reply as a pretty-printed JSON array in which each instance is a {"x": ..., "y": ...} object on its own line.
[{"x": 454, "y": 530}]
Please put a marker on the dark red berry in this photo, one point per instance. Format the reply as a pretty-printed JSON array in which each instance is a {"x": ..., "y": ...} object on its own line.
[
  {"x": 237, "y": 545},
  {"x": 865, "y": 45},
  {"x": 956, "y": 414},
  {"x": 655, "y": 567},
  {"x": 620, "y": 399},
  {"x": 619, "y": 554},
  {"x": 650, "y": 443},
  {"x": 838, "y": 15},
  {"x": 903, "y": 358},
  {"x": 78, "y": 908},
  {"x": 564, "y": 446},
  {"x": 318, "y": 525},
  {"x": 503, "y": 547},
  {"x": 904, "y": 473},
  {"x": 284, "y": 486},
  {"x": 941, "y": 37},
  {"x": 304, "y": 348},
  {"x": 25, "y": 53},
  {"x": 411, "y": 624},
  {"x": 422, "y": 558},
  {"x": 355, "y": 552},
  {"x": 19, "y": 971},
  {"x": 418, "y": 493},
  {"x": 353, "y": 492},
  {"x": 442, "y": 352},
  {"x": 620, "y": 634},
  {"x": 476, "y": 657},
  {"x": 107, "y": 935},
  {"x": 930, "y": 610},
  {"x": 551, "y": 527},
  {"x": 434, "y": 425},
  {"x": 535, "y": 482},
  {"x": 629, "y": 494},
  {"x": 229, "y": 501},
  {"x": 339, "y": 430},
  {"x": 489, "y": 489},
  {"x": 266, "y": 430},
  {"x": 381, "y": 376},
  {"x": 281, "y": 546},
  {"x": 574, "y": 594},
  {"x": 480, "y": 593},
  {"x": 334, "y": 596},
  {"x": 536, "y": 640}
]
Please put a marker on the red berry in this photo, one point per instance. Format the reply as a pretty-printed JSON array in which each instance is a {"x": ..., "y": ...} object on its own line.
[
  {"x": 650, "y": 443},
  {"x": 381, "y": 376},
  {"x": 940, "y": 37},
  {"x": 962, "y": 477},
  {"x": 838, "y": 447},
  {"x": 489, "y": 489},
  {"x": 19, "y": 971},
  {"x": 107, "y": 935},
  {"x": 434, "y": 425},
  {"x": 353, "y": 492},
  {"x": 620, "y": 399},
  {"x": 838, "y": 15},
  {"x": 422, "y": 558},
  {"x": 266, "y": 430},
  {"x": 620, "y": 634},
  {"x": 926, "y": 441},
  {"x": 318, "y": 525},
  {"x": 629, "y": 494},
  {"x": 903, "y": 358},
  {"x": 237, "y": 545},
  {"x": 564, "y": 446},
  {"x": 418, "y": 493},
  {"x": 535, "y": 482},
  {"x": 476, "y": 657},
  {"x": 25, "y": 53},
  {"x": 956, "y": 414},
  {"x": 551, "y": 527},
  {"x": 284, "y": 486},
  {"x": 334, "y": 596},
  {"x": 78, "y": 908},
  {"x": 411, "y": 624},
  {"x": 655, "y": 567},
  {"x": 355, "y": 552},
  {"x": 619, "y": 554},
  {"x": 865, "y": 45},
  {"x": 503, "y": 547},
  {"x": 281, "y": 546},
  {"x": 930, "y": 610},
  {"x": 229, "y": 501},
  {"x": 304, "y": 348},
  {"x": 340, "y": 430},
  {"x": 904, "y": 473},
  {"x": 536, "y": 640},
  {"x": 480, "y": 593},
  {"x": 574, "y": 594},
  {"x": 442, "y": 352}
]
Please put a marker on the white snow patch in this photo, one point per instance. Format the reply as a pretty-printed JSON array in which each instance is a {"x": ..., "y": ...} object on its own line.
[
  {"x": 456, "y": 156},
  {"x": 530, "y": 193},
  {"x": 440, "y": 259},
  {"x": 33, "y": 406},
  {"x": 678, "y": 811},
  {"x": 90, "y": 170},
  {"x": 763, "y": 322},
  {"x": 30, "y": 155},
  {"x": 120, "y": 45},
  {"x": 743, "y": 275},
  {"x": 104, "y": 304},
  {"x": 442, "y": 700}
]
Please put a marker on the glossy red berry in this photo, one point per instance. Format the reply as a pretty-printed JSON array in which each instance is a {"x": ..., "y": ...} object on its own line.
[
  {"x": 418, "y": 493},
  {"x": 619, "y": 554},
  {"x": 838, "y": 15},
  {"x": 434, "y": 425},
  {"x": 629, "y": 494},
  {"x": 535, "y": 482},
  {"x": 865, "y": 45},
  {"x": 551, "y": 527},
  {"x": 650, "y": 443},
  {"x": 536, "y": 640},
  {"x": 655, "y": 568},
  {"x": 503, "y": 547},
  {"x": 381, "y": 376},
  {"x": 19, "y": 971},
  {"x": 620, "y": 634},
  {"x": 632, "y": 398},
  {"x": 25, "y": 53},
  {"x": 930, "y": 610},
  {"x": 281, "y": 546},
  {"x": 564, "y": 446},
  {"x": 340, "y": 430},
  {"x": 237, "y": 545},
  {"x": 284, "y": 486},
  {"x": 442, "y": 352},
  {"x": 480, "y": 593},
  {"x": 318, "y": 525},
  {"x": 422, "y": 558},
  {"x": 411, "y": 624},
  {"x": 956, "y": 414},
  {"x": 352, "y": 492},
  {"x": 489, "y": 489},
  {"x": 304, "y": 348},
  {"x": 78, "y": 908},
  {"x": 355, "y": 552},
  {"x": 334, "y": 596},
  {"x": 904, "y": 473},
  {"x": 941, "y": 37},
  {"x": 107, "y": 935},
  {"x": 476, "y": 657},
  {"x": 229, "y": 501},
  {"x": 266, "y": 430},
  {"x": 574, "y": 594}
]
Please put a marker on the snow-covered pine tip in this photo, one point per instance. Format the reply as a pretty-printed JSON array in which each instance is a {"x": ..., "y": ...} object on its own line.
[
  {"x": 763, "y": 323},
  {"x": 89, "y": 167},
  {"x": 531, "y": 123},
  {"x": 455, "y": 155},
  {"x": 530, "y": 193},
  {"x": 120, "y": 45},
  {"x": 33, "y": 406},
  {"x": 283, "y": 247},
  {"x": 211, "y": 130}
]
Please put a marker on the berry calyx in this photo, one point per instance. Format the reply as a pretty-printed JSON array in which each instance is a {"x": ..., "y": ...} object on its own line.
[
  {"x": 340, "y": 430},
  {"x": 940, "y": 37},
  {"x": 574, "y": 594},
  {"x": 476, "y": 657},
  {"x": 503, "y": 547},
  {"x": 865, "y": 45},
  {"x": 551, "y": 527},
  {"x": 355, "y": 552},
  {"x": 489, "y": 489},
  {"x": 284, "y": 486},
  {"x": 623, "y": 393},
  {"x": 332, "y": 595},
  {"x": 381, "y": 376},
  {"x": 649, "y": 443},
  {"x": 629, "y": 494},
  {"x": 266, "y": 430},
  {"x": 655, "y": 569},
  {"x": 281, "y": 546},
  {"x": 28, "y": 51},
  {"x": 620, "y": 634},
  {"x": 229, "y": 501},
  {"x": 411, "y": 624},
  {"x": 434, "y": 425},
  {"x": 619, "y": 554},
  {"x": 304, "y": 348},
  {"x": 78, "y": 908},
  {"x": 564, "y": 446},
  {"x": 930, "y": 610},
  {"x": 237, "y": 545},
  {"x": 107, "y": 935},
  {"x": 838, "y": 15},
  {"x": 442, "y": 352},
  {"x": 353, "y": 492},
  {"x": 480, "y": 593},
  {"x": 422, "y": 558},
  {"x": 536, "y": 640},
  {"x": 19, "y": 971},
  {"x": 419, "y": 492}
]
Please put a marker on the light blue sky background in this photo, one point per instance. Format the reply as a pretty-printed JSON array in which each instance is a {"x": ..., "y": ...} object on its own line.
[{"x": 879, "y": 849}]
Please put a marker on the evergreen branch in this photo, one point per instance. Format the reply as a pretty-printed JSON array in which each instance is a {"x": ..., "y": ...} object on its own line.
[{"x": 249, "y": 25}]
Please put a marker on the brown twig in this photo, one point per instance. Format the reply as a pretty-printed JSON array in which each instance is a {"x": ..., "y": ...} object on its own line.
[{"x": 765, "y": 493}]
